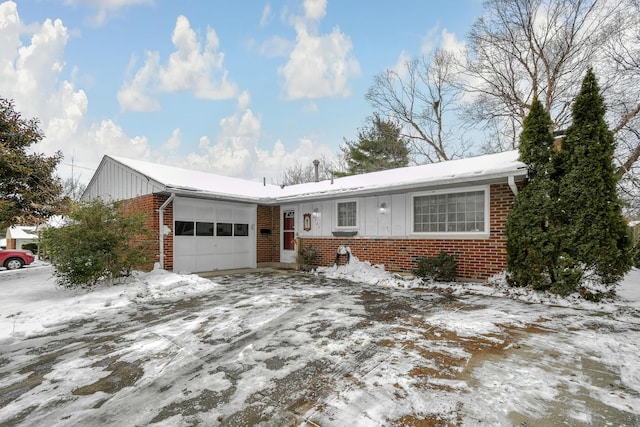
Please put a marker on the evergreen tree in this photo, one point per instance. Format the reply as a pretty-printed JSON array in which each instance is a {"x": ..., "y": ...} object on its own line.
[
  {"x": 29, "y": 191},
  {"x": 596, "y": 236},
  {"x": 532, "y": 244},
  {"x": 380, "y": 146}
]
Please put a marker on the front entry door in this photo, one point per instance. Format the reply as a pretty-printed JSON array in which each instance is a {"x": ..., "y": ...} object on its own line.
[{"x": 288, "y": 236}]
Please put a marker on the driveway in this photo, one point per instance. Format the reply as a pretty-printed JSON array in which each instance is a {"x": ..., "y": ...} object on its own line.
[{"x": 275, "y": 348}]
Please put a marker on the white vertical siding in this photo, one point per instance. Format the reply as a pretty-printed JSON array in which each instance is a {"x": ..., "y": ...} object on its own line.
[
  {"x": 394, "y": 221},
  {"x": 113, "y": 181}
]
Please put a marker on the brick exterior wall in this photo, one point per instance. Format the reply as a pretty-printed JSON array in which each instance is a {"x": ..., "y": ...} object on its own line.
[
  {"x": 268, "y": 244},
  {"x": 149, "y": 205},
  {"x": 477, "y": 258}
]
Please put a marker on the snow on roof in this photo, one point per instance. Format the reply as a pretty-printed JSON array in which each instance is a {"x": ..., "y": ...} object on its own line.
[
  {"x": 453, "y": 171},
  {"x": 197, "y": 181},
  {"x": 22, "y": 232}
]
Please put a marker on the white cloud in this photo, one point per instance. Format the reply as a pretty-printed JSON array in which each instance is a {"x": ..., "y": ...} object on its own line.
[
  {"x": 133, "y": 95},
  {"x": 430, "y": 40},
  {"x": 401, "y": 68},
  {"x": 189, "y": 68},
  {"x": 106, "y": 8},
  {"x": 276, "y": 46},
  {"x": 174, "y": 142},
  {"x": 31, "y": 75},
  {"x": 443, "y": 39},
  {"x": 315, "y": 9},
  {"x": 452, "y": 44},
  {"x": 236, "y": 151},
  {"x": 266, "y": 15},
  {"x": 320, "y": 66}
]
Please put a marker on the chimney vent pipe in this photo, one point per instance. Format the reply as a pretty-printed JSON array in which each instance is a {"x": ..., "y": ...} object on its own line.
[{"x": 316, "y": 163}]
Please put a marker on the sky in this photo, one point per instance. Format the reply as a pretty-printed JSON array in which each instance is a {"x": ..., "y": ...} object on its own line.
[{"x": 244, "y": 89}]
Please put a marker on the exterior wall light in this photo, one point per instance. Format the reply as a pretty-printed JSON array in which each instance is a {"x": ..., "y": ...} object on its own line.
[
  {"x": 316, "y": 212},
  {"x": 383, "y": 208}
]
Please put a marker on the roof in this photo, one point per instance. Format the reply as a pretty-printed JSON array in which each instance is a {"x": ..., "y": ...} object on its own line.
[
  {"x": 203, "y": 184},
  {"x": 22, "y": 232},
  {"x": 472, "y": 169}
]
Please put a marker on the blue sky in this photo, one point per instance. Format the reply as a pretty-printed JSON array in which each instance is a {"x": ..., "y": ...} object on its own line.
[{"x": 240, "y": 88}]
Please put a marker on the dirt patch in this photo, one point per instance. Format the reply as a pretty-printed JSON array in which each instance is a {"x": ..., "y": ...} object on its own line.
[
  {"x": 428, "y": 421},
  {"x": 36, "y": 372},
  {"x": 123, "y": 374},
  {"x": 203, "y": 402}
]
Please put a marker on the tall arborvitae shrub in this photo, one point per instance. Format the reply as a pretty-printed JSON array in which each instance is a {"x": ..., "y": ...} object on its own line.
[
  {"x": 596, "y": 236},
  {"x": 532, "y": 246}
]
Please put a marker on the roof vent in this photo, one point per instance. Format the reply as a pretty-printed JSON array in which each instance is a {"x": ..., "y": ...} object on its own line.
[{"x": 316, "y": 163}]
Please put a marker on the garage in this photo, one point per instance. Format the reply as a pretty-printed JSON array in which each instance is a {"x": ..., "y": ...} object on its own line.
[{"x": 213, "y": 235}]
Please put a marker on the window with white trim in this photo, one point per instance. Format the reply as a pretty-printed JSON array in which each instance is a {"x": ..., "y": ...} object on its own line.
[
  {"x": 347, "y": 214},
  {"x": 461, "y": 212}
]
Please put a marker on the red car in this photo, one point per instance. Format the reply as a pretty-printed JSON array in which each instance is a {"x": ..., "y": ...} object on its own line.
[{"x": 12, "y": 259}]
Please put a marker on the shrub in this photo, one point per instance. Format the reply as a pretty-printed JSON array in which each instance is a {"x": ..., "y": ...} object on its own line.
[
  {"x": 98, "y": 243},
  {"x": 636, "y": 255},
  {"x": 568, "y": 275},
  {"x": 33, "y": 247},
  {"x": 307, "y": 257},
  {"x": 443, "y": 267}
]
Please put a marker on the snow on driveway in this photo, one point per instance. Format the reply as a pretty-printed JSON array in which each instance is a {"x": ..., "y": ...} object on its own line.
[{"x": 275, "y": 348}]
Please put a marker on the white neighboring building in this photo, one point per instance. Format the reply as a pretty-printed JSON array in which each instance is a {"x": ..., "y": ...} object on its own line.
[{"x": 19, "y": 235}]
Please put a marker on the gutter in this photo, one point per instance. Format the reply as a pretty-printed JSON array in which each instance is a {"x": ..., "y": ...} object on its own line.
[
  {"x": 161, "y": 227},
  {"x": 512, "y": 184}
]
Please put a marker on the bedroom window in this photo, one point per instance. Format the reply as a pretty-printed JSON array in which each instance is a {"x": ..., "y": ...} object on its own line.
[
  {"x": 460, "y": 212},
  {"x": 347, "y": 213}
]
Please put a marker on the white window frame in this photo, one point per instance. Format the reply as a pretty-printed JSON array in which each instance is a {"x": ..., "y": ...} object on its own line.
[
  {"x": 347, "y": 227},
  {"x": 454, "y": 234}
]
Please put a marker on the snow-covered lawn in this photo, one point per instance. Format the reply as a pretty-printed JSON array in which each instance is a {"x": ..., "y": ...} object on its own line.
[{"x": 355, "y": 346}]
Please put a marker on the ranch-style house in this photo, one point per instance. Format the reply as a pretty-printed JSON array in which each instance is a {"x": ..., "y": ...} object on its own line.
[{"x": 204, "y": 222}]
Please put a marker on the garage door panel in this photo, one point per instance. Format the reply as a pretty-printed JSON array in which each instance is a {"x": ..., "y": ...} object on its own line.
[
  {"x": 241, "y": 246},
  {"x": 184, "y": 245},
  {"x": 182, "y": 263},
  {"x": 205, "y": 245},
  {"x": 205, "y": 262}
]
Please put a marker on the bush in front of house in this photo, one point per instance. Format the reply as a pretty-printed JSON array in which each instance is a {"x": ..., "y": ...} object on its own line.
[
  {"x": 33, "y": 247},
  {"x": 442, "y": 267},
  {"x": 307, "y": 257},
  {"x": 98, "y": 243}
]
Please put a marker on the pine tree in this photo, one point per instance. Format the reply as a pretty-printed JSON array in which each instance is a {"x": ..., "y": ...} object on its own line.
[
  {"x": 596, "y": 237},
  {"x": 29, "y": 190},
  {"x": 380, "y": 146},
  {"x": 532, "y": 246}
]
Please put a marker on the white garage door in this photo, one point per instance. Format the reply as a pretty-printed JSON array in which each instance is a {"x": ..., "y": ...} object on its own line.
[{"x": 209, "y": 235}]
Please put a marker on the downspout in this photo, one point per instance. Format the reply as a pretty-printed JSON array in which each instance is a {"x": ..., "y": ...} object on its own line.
[
  {"x": 512, "y": 185},
  {"x": 161, "y": 227}
]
